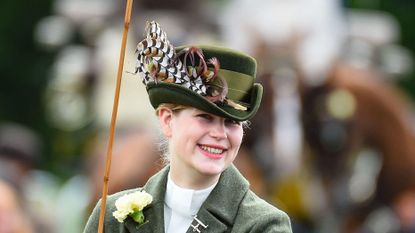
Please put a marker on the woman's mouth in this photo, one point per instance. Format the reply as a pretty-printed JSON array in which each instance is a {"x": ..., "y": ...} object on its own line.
[{"x": 212, "y": 151}]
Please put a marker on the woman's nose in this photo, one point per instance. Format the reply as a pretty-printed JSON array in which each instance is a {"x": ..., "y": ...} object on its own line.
[{"x": 218, "y": 130}]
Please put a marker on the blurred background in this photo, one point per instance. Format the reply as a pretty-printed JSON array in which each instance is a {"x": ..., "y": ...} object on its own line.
[{"x": 337, "y": 152}]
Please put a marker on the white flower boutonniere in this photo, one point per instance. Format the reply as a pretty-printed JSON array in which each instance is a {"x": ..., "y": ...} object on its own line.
[{"x": 132, "y": 205}]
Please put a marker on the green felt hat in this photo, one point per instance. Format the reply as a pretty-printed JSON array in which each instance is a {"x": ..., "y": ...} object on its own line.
[{"x": 183, "y": 83}]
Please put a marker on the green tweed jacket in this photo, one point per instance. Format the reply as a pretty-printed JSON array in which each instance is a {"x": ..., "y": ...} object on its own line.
[{"x": 230, "y": 207}]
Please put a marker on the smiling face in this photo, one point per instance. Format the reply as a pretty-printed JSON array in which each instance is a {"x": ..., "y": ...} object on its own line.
[{"x": 202, "y": 145}]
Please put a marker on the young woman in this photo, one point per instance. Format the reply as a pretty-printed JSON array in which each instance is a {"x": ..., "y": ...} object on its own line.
[{"x": 203, "y": 96}]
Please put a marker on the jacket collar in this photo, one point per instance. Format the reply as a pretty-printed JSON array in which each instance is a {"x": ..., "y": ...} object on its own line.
[
  {"x": 217, "y": 212},
  {"x": 220, "y": 208}
]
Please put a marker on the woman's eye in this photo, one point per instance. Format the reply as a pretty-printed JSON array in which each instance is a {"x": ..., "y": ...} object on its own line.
[
  {"x": 205, "y": 116},
  {"x": 232, "y": 122}
]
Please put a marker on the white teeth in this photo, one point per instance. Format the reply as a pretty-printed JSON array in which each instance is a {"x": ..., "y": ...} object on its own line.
[{"x": 212, "y": 150}]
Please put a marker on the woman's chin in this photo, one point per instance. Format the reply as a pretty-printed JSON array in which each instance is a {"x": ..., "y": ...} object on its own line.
[{"x": 211, "y": 169}]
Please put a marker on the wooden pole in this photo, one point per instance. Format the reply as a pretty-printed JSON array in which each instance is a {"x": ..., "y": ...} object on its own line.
[{"x": 114, "y": 115}]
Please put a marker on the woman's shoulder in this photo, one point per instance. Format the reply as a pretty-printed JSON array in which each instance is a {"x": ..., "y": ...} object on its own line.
[
  {"x": 255, "y": 212},
  {"x": 115, "y": 196},
  {"x": 252, "y": 203},
  {"x": 110, "y": 221}
]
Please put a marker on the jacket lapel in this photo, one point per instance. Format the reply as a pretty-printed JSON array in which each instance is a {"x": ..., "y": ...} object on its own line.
[
  {"x": 156, "y": 186},
  {"x": 220, "y": 208}
]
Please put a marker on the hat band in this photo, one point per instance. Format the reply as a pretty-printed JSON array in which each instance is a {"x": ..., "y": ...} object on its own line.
[{"x": 240, "y": 89}]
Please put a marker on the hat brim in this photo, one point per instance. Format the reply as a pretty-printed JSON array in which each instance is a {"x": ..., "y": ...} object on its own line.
[{"x": 173, "y": 93}]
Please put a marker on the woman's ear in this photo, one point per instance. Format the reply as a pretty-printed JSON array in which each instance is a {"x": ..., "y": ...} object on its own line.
[{"x": 165, "y": 116}]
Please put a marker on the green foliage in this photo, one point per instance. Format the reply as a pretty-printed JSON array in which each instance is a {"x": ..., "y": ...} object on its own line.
[{"x": 23, "y": 67}]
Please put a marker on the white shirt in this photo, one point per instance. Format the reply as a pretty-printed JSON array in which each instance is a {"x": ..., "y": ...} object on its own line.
[{"x": 181, "y": 205}]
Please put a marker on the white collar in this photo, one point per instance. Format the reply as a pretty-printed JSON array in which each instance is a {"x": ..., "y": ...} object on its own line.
[{"x": 184, "y": 201}]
